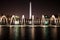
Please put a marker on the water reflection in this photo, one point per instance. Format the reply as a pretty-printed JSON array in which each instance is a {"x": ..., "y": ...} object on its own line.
[
  {"x": 22, "y": 32},
  {"x": 16, "y": 32},
  {"x": 0, "y": 32},
  {"x": 28, "y": 32},
  {"x": 4, "y": 31},
  {"x": 32, "y": 32},
  {"x": 11, "y": 33}
]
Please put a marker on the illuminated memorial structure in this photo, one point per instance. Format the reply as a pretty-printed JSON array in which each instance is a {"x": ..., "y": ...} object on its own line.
[
  {"x": 29, "y": 28},
  {"x": 14, "y": 20},
  {"x": 31, "y": 20},
  {"x": 3, "y": 20}
]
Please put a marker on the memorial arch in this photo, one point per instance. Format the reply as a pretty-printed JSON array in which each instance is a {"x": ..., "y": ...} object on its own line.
[
  {"x": 13, "y": 19},
  {"x": 53, "y": 20},
  {"x": 4, "y": 19}
]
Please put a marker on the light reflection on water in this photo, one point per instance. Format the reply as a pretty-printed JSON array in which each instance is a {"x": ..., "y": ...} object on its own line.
[{"x": 23, "y": 32}]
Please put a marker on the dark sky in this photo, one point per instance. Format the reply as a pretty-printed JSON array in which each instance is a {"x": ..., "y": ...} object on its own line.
[{"x": 20, "y": 7}]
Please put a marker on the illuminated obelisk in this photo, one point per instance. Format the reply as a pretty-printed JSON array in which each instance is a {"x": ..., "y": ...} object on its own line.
[
  {"x": 31, "y": 17},
  {"x": 30, "y": 12}
]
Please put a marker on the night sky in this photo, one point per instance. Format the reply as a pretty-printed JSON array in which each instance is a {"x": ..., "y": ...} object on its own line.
[{"x": 20, "y": 7}]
